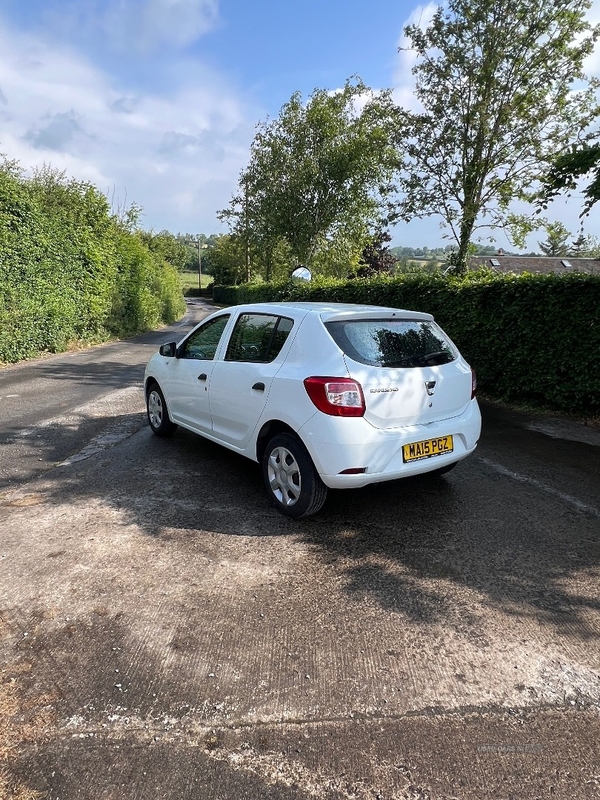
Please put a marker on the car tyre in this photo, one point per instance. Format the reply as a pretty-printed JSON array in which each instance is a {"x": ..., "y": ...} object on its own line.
[
  {"x": 293, "y": 485},
  {"x": 158, "y": 414}
]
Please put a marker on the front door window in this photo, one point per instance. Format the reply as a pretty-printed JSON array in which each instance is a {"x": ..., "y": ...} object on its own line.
[{"x": 202, "y": 343}]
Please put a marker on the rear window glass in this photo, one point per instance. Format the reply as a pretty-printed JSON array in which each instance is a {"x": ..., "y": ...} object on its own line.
[{"x": 393, "y": 343}]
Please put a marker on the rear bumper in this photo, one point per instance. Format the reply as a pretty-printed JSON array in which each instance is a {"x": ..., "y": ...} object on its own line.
[{"x": 337, "y": 444}]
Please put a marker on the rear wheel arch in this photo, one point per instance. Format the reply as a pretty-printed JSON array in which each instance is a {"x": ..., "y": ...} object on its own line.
[{"x": 267, "y": 432}]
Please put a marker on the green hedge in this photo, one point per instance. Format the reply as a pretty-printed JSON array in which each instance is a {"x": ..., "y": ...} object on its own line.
[
  {"x": 532, "y": 339},
  {"x": 69, "y": 271}
]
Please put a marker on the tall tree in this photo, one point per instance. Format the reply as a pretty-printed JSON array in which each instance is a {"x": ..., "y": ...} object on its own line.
[
  {"x": 556, "y": 244},
  {"x": 167, "y": 246},
  {"x": 376, "y": 258},
  {"x": 496, "y": 80},
  {"x": 319, "y": 165},
  {"x": 579, "y": 246}
]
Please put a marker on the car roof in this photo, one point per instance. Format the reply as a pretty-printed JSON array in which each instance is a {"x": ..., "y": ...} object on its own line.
[{"x": 332, "y": 311}]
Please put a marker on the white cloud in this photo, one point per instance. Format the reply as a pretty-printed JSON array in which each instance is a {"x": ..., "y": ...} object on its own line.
[
  {"x": 403, "y": 79},
  {"x": 131, "y": 26},
  {"x": 55, "y": 132},
  {"x": 176, "y": 154},
  {"x": 148, "y": 24}
]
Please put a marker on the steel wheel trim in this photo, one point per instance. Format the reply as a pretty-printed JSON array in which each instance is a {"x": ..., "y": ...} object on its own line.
[
  {"x": 284, "y": 476},
  {"x": 155, "y": 409}
]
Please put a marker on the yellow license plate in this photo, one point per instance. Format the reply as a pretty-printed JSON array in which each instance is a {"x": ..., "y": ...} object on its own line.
[{"x": 427, "y": 448}]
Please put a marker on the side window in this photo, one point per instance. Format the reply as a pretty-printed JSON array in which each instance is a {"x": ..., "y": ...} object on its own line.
[
  {"x": 280, "y": 334},
  {"x": 258, "y": 337},
  {"x": 203, "y": 343}
]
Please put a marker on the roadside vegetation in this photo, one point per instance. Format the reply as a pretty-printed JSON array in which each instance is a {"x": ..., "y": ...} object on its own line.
[
  {"x": 189, "y": 282},
  {"x": 72, "y": 272},
  {"x": 532, "y": 339}
]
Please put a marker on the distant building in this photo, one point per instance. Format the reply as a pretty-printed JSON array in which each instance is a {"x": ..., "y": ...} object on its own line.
[{"x": 543, "y": 264}]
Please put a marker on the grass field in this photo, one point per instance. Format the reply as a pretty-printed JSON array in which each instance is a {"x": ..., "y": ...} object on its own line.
[{"x": 189, "y": 280}]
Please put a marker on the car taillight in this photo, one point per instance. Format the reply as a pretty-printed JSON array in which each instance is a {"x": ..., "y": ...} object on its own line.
[
  {"x": 473, "y": 383},
  {"x": 338, "y": 397}
]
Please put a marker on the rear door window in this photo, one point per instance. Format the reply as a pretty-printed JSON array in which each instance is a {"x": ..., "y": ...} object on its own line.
[
  {"x": 258, "y": 338},
  {"x": 393, "y": 343}
]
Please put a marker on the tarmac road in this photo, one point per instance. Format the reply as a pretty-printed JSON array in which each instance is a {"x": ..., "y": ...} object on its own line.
[{"x": 165, "y": 634}]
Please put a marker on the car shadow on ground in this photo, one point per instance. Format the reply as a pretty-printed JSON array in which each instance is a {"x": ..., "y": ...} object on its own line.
[{"x": 398, "y": 543}]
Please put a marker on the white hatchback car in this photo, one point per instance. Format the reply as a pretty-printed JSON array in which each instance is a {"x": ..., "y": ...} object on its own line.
[{"x": 320, "y": 394}]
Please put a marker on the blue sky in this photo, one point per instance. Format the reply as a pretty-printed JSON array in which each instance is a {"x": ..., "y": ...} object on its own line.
[{"x": 156, "y": 101}]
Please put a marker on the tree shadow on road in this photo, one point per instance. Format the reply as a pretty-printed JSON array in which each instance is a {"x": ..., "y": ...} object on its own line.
[
  {"x": 400, "y": 544},
  {"x": 107, "y": 374}
]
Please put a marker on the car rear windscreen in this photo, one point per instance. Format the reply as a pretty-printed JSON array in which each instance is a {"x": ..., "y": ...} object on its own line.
[{"x": 393, "y": 343}]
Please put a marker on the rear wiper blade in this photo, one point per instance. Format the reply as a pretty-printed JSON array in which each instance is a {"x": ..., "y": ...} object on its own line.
[{"x": 437, "y": 354}]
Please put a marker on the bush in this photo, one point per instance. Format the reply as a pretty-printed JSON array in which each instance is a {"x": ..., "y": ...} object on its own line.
[
  {"x": 69, "y": 271},
  {"x": 531, "y": 338}
]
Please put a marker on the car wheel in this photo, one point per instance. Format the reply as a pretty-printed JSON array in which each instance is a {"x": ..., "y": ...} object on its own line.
[
  {"x": 292, "y": 482},
  {"x": 158, "y": 416}
]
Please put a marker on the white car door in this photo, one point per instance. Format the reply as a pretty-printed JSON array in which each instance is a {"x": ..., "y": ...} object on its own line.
[
  {"x": 240, "y": 382},
  {"x": 190, "y": 373}
]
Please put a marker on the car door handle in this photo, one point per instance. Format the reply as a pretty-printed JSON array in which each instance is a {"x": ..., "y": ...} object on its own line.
[
  {"x": 260, "y": 387},
  {"x": 203, "y": 376}
]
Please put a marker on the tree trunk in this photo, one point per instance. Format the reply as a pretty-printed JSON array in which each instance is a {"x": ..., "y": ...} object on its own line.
[{"x": 466, "y": 229}]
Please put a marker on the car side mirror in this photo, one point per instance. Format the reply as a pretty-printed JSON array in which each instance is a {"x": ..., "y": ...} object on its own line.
[
  {"x": 301, "y": 275},
  {"x": 168, "y": 350}
]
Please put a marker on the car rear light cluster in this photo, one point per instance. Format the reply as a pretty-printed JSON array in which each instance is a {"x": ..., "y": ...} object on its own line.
[
  {"x": 473, "y": 383},
  {"x": 338, "y": 397}
]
